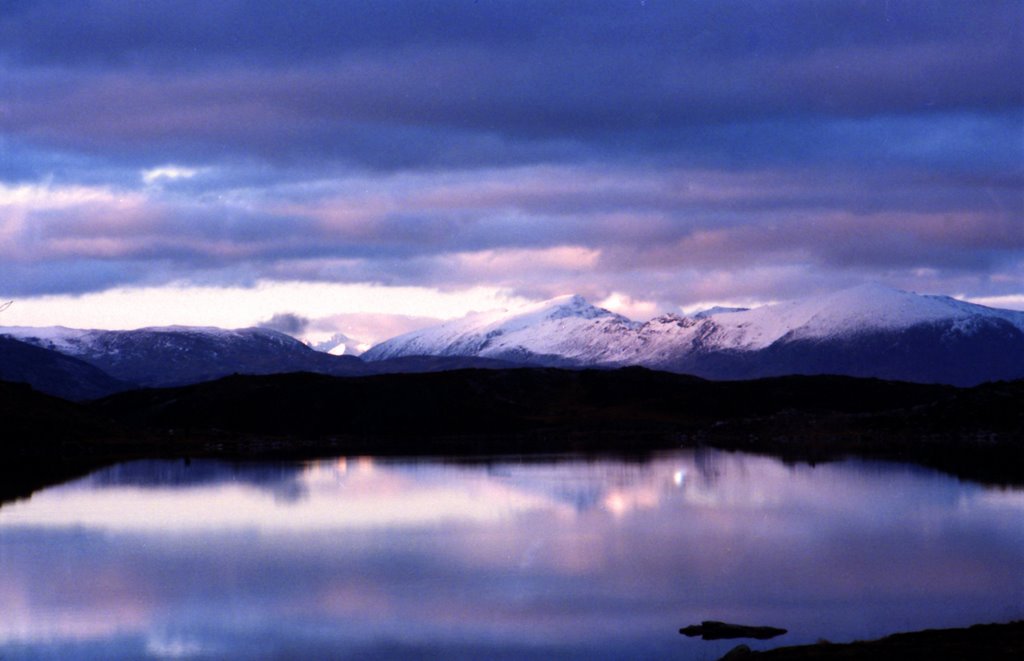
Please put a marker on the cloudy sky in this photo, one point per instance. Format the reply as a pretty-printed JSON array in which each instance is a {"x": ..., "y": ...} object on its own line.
[{"x": 370, "y": 166}]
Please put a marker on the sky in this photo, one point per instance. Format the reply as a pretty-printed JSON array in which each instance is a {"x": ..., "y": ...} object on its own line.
[{"x": 372, "y": 167}]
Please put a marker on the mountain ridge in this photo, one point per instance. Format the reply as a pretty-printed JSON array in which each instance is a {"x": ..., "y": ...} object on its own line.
[
  {"x": 87, "y": 364},
  {"x": 179, "y": 355},
  {"x": 865, "y": 331},
  {"x": 54, "y": 372},
  {"x": 870, "y": 330}
]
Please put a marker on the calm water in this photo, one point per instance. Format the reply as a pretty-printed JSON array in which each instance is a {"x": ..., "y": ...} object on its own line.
[{"x": 363, "y": 558}]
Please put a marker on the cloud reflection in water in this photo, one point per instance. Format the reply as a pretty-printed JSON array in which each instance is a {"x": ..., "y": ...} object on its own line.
[{"x": 599, "y": 558}]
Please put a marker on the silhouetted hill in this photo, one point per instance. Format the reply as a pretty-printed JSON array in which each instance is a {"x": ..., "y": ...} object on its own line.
[
  {"x": 498, "y": 401},
  {"x": 415, "y": 364},
  {"x": 53, "y": 372},
  {"x": 631, "y": 409},
  {"x": 991, "y": 642},
  {"x": 32, "y": 418},
  {"x": 46, "y": 439},
  {"x": 973, "y": 432}
]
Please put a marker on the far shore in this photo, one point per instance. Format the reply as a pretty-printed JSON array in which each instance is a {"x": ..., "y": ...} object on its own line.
[
  {"x": 972, "y": 433},
  {"x": 22, "y": 475},
  {"x": 990, "y": 642}
]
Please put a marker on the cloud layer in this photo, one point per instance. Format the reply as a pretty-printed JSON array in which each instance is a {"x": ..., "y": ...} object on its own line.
[{"x": 662, "y": 152}]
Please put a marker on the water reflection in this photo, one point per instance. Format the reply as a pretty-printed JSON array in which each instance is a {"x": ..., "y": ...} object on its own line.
[{"x": 587, "y": 559}]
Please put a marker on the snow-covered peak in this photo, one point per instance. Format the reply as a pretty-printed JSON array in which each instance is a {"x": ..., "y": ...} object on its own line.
[
  {"x": 566, "y": 326},
  {"x": 562, "y": 307},
  {"x": 231, "y": 334},
  {"x": 867, "y": 307},
  {"x": 568, "y": 330},
  {"x": 529, "y": 315},
  {"x": 339, "y": 344}
]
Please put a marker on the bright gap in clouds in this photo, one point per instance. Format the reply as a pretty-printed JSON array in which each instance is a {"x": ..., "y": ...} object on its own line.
[
  {"x": 238, "y": 307},
  {"x": 1012, "y": 302},
  {"x": 170, "y": 172}
]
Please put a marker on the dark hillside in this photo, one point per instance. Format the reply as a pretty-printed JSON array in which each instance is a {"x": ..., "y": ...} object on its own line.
[
  {"x": 974, "y": 431},
  {"x": 46, "y": 439},
  {"x": 498, "y": 401},
  {"x": 977, "y": 433},
  {"x": 53, "y": 372}
]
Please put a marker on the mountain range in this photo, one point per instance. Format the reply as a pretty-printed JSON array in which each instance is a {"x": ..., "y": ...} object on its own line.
[
  {"x": 87, "y": 364},
  {"x": 177, "y": 355},
  {"x": 866, "y": 331},
  {"x": 869, "y": 331}
]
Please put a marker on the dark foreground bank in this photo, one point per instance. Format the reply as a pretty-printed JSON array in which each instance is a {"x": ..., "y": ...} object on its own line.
[
  {"x": 991, "y": 642},
  {"x": 975, "y": 433}
]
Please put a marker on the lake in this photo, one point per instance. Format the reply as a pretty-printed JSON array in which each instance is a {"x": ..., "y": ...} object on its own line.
[{"x": 577, "y": 558}]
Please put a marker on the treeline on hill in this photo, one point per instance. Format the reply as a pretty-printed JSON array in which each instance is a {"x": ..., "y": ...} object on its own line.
[{"x": 970, "y": 431}]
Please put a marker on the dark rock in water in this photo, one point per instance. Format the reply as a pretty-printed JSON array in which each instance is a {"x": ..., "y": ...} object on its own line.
[{"x": 710, "y": 630}]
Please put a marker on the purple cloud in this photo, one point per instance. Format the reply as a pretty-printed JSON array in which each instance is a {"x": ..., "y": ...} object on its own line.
[{"x": 668, "y": 152}]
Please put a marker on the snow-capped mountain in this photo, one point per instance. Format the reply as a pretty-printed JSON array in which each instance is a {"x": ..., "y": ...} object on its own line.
[
  {"x": 850, "y": 312},
  {"x": 563, "y": 331},
  {"x": 179, "y": 354},
  {"x": 867, "y": 331},
  {"x": 339, "y": 344},
  {"x": 863, "y": 331},
  {"x": 85, "y": 364}
]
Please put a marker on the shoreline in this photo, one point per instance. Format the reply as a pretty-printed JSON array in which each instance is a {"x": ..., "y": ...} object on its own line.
[
  {"x": 992, "y": 642},
  {"x": 24, "y": 473},
  {"x": 974, "y": 434}
]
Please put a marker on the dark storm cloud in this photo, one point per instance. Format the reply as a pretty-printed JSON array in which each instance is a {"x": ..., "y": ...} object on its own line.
[
  {"x": 540, "y": 146},
  {"x": 55, "y": 29},
  {"x": 286, "y": 322},
  {"x": 78, "y": 275},
  {"x": 355, "y": 78}
]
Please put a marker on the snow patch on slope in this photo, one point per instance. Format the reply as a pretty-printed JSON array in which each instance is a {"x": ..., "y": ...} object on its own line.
[
  {"x": 68, "y": 341},
  {"x": 868, "y": 307},
  {"x": 567, "y": 327},
  {"x": 81, "y": 342}
]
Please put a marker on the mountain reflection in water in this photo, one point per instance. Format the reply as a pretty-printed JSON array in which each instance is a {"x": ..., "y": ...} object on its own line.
[{"x": 581, "y": 558}]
